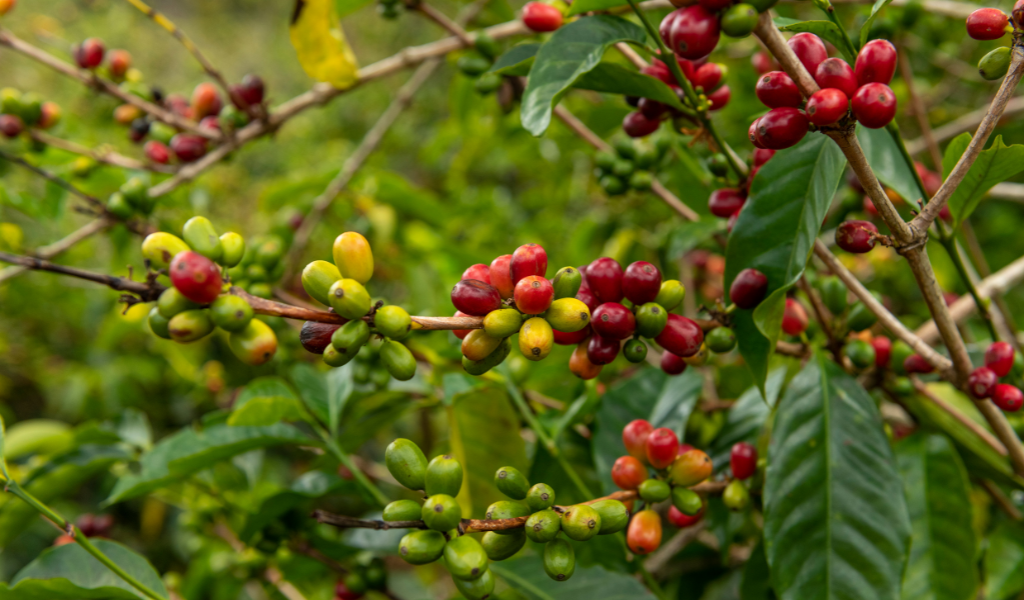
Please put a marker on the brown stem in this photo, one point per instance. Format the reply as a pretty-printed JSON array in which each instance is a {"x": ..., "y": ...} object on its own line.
[
  {"x": 146, "y": 291},
  {"x": 106, "y": 156},
  {"x": 963, "y": 419},
  {"x": 1004, "y": 503},
  {"x": 58, "y": 247},
  {"x": 965, "y": 123}
]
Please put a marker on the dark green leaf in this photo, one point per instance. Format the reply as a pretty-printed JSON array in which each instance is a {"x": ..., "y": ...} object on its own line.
[
  {"x": 366, "y": 415},
  {"x": 581, "y": 6},
  {"x": 615, "y": 79},
  {"x": 888, "y": 163},
  {"x": 938, "y": 500},
  {"x": 1004, "y": 562},
  {"x": 690, "y": 234},
  {"x": 865, "y": 29},
  {"x": 265, "y": 401},
  {"x": 994, "y": 165},
  {"x": 775, "y": 234},
  {"x": 569, "y": 53},
  {"x": 745, "y": 420},
  {"x": 325, "y": 393},
  {"x": 314, "y": 484},
  {"x": 826, "y": 30},
  {"x": 756, "y": 583},
  {"x": 517, "y": 61},
  {"x": 836, "y": 523},
  {"x": 954, "y": 150},
  {"x": 588, "y": 583}
]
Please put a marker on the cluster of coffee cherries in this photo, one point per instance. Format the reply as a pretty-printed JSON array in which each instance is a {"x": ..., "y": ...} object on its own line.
[
  {"x": 992, "y": 24},
  {"x": 629, "y": 165},
  {"x": 863, "y": 89},
  {"x": 984, "y": 381},
  {"x": 707, "y": 78},
  {"x": 91, "y": 526},
  {"x": 540, "y": 17},
  {"x": 18, "y": 111},
  {"x": 727, "y": 202},
  {"x": 341, "y": 286},
  {"x": 362, "y": 577},
  {"x": 476, "y": 63},
  {"x": 194, "y": 305}
]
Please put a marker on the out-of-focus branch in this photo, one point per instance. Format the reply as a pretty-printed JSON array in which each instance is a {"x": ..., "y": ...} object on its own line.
[
  {"x": 967, "y": 122},
  {"x": 106, "y": 156},
  {"x": 49, "y": 251}
]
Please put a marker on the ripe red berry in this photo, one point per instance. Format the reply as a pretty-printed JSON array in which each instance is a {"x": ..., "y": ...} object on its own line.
[
  {"x": 777, "y": 89},
  {"x": 571, "y": 339},
  {"x": 752, "y": 135},
  {"x": 932, "y": 181},
  {"x": 195, "y": 276},
  {"x": 479, "y": 272},
  {"x": 604, "y": 278},
  {"x": 1007, "y": 397},
  {"x": 528, "y": 259},
  {"x": 694, "y": 32},
  {"x": 883, "y": 351},
  {"x": 659, "y": 71},
  {"x": 636, "y": 125},
  {"x": 836, "y": 73},
  {"x": 743, "y": 460},
  {"x": 602, "y": 350},
  {"x": 11, "y": 125},
  {"x": 501, "y": 275},
  {"x": 342, "y": 592},
  {"x": 628, "y": 472},
  {"x": 634, "y": 437},
  {"x": 662, "y": 447},
  {"x": 651, "y": 109},
  {"x": 461, "y": 333},
  {"x": 856, "y": 236},
  {"x": 708, "y": 76},
  {"x": 809, "y": 49},
  {"x": 915, "y": 363},
  {"x": 210, "y": 122},
  {"x": 719, "y": 98},
  {"x": 540, "y": 17},
  {"x": 827, "y": 106},
  {"x": 781, "y": 128},
  {"x": 205, "y": 100},
  {"x": 120, "y": 61},
  {"x": 644, "y": 533},
  {"x": 876, "y": 62},
  {"x": 475, "y": 297},
  {"x": 761, "y": 156},
  {"x": 982, "y": 382},
  {"x": 726, "y": 201},
  {"x": 251, "y": 90},
  {"x": 157, "y": 152},
  {"x": 533, "y": 294},
  {"x": 748, "y": 289},
  {"x": 672, "y": 364},
  {"x": 987, "y": 24},
  {"x": 999, "y": 358},
  {"x": 681, "y": 336},
  {"x": 586, "y": 296},
  {"x": 89, "y": 54},
  {"x": 874, "y": 105},
  {"x": 677, "y": 518},
  {"x": 763, "y": 63},
  {"x": 187, "y": 147},
  {"x": 794, "y": 317},
  {"x": 613, "y": 321},
  {"x": 1018, "y": 14},
  {"x": 641, "y": 282}
]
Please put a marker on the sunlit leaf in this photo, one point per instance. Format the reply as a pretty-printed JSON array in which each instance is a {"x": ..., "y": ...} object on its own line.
[{"x": 320, "y": 43}]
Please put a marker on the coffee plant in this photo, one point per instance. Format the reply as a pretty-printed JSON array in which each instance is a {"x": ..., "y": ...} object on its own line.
[{"x": 697, "y": 300}]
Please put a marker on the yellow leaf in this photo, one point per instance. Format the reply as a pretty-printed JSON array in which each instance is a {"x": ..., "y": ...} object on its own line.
[{"x": 320, "y": 43}]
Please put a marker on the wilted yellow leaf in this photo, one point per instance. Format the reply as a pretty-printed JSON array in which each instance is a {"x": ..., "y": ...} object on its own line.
[{"x": 320, "y": 43}]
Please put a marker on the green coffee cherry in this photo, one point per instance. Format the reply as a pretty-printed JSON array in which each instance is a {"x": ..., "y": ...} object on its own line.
[
  {"x": 503, "y": 322},
  {"x": 487, "y": 83},
  {"x": 614, "y": 515},
  {"x": 687, "y": 501},
  {"x": 860, "y": 317},
  {"x": 833, "y": 294},
  {"x": 501, "y": 547},
  {"x": 646, "y": 157},
  {"x": 720, "y": 340},
  {"x": 568, "y": 315},
  {"x": 158, "y": 323},
  {"x": 189, "y": 326},
  {"x": 333, "y": 358},
  {"x": 160, "y": 247},
  {"x": 376, "y": 575},
  {"x": 441, "y": 512},
  {"x": 512, "y": 483},
  {"x": 581, "y": 522},
  {"x": 422, "y": 547},
  {"x": 559, "y": 559},
  {"x": 230, "y": 313},
  {"x": 161, "y": 132},
  {"x": 671, "y": 294},
  {"x": 254, "y": 345},
  {"x": 476, "y": 589},
  {"x": 403, "y": 510},
  {"x": 603, "y": 161},
  {"x": 136, "y": 192},
  {"x": 624, "y": 147},
  {"x": 487, "y": 46},
  {"x": 506, "y": 509},
  {"x": 641, "y": 180},
  {"x": 256, "y": 273},
  {"x": 349, "y": 298},
  {"x": 718, "y": 165},
  {"x": 270, "y": 251},
  {"x": 10, "y": 101},
  {"x": 317, "y": 279},
  {"x": 654, "y": 490},
  {"x": 612, "y": 185},
  {"x": 119, "y": 206},
  {"x": 543, "y": 526},
  {"x": 540, "y": 497},
  {"x": 860, "y": 353},
  {"x": 406, "y": 463},
  {"x": 736, "y": 496},
  {"x": 472, "y": 65},
  {"x": 261, "y": 290},
  {"x": 739, "y": 21},
  {"x": 902, "y": 387},
  {"x": 444, "y": 476},
  {"x": 199, "y": 233},
  {"x": 465, "y": 557},
  {"x": 172, "y": 302},
  {"x": 392, "y": 322},
  {"x": 479, "y": 367},
  {"x": 635, "y": 351},
  {"x": 232, "y": 247},
  {"x": 350, "y": 337},
  {"x": 567, "y": 282},
  {"x": 995, "y": 64},
  {"x": 623, "y": 168},
  {"x": 900, "y": 352},
  {"x": 398, "y": 360}
]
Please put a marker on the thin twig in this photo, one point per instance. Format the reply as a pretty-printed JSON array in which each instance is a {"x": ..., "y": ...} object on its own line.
[
  {"x": 58, "y": 247},
  {"x": 963, "y": 419},
  {"x": 667, "y": 551},
  {"x": 1004, "y": 503},
  {"x": 146, "y": 291},
  {"x": 967, "y": 122},
  {"x": 104, "y": 155}
]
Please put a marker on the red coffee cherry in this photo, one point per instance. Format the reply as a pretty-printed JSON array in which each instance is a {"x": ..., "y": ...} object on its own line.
[
  {"x": 932, "y": 181},
  {"x": 748, "y": 289},
  {"x": 672, "y": 364},
  {"x": 602, "y": 350},
  {"x": 724, "y": 202},
  {"x": 1018, "y": 14},
  {"x": 613, "y": 321},
  {"x": 119, "y": 63},
  {"x": 157, "y": 152},
  {"x": 501, "y": 275},
  {"x": 874, "y": 105},
  {"x": 743, "y": 460},
  {"x": 681, "y": 336},
  {"x": 827, "y": 106},
  {"x": 987, "y": 24},
  {"x": 461, "y": 333},
  {"x": 662, "y": 447},
  {"x": 708, "y": 76},
  {"x": 628, "y": 472},
  {"x": 89, "y": 54},
  {"x": 528, "y": 259},
  {"x": 659, "y": 71},
  {"x": 761, "y": 156},
  {"x": 11, "y": 126},
  {"x": 856, "y": 236},
  {"x": 195, "y": 276},
  {"x": 763, "y": 63},
  {"x": 205, "y": 100},
  {"x": 651, "y": 109},
  {"x": 571, "y": 339},
  {"x": 836, "y": 73},
  {"x": 480, "y": 272},
  {"x": 777, "y": 89},
  {"x": 915, "y": 363},
  {"x": 999, "y": 358},
  {"x": 694, "y": 32},
  {"x": 1007, "y": 397},
  {"x": 644, "y": 533},
  {"x": 636, "y": 125},
  {"x": 781, "y": 128},
  {"x": 883, "y": 351},
  {"x": 475, "y": 297},
  {"x": 719, "y": 98},
  {"x": 876, "y": 62},
  {"x": 250, "y": 91},
  {"x": 541, "y": 18},
  {"x": 641, "y": 282},
  {"x": 809, "y": 49},
  {"x": 533, "y": 294},
  {"x": 188, "y": 147},
  {"x": 677, "y": 518},
  {"x": 794, "y": 317},
  {"x": 586, "y": 296},
  {"x": 342, "y": 592},
  {"x": 604, "y": 278},
  {"x": 634, "y": 437},
  {"x": 752, "y": 135},
  {"x": 982, "y": 382}
]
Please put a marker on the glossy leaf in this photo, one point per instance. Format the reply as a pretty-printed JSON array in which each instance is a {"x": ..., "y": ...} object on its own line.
[
  {"x": 568, "y": 54},
  {"x": 326, "y": 394},
  {"x": 584, "y": 6},
  {"x": 516, "y": 61},
  {"x": 775, "y": 234},
  {"x": 1004, "y": 562},
  {"x": 826, "y": 30},
  {"x": 836, "y": 523},
  {"x": 320, "y": 44},
  {"x": 938, "y": 500},
  {"x": 888, "y": 163},
  {"x": 526, "y": 575},
  {"x": 745, "y": 420},
  {"x": 865, "y": 29},
  {"x": 994, "y": 165},
  {"x": 265, "y": 401}
]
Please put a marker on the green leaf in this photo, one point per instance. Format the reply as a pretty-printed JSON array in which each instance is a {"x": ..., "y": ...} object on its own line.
[
  {"x": 581, "y": 6},
  {"x": 756, "y": 583},
  {"x": 68, "y": 572},
  {"x": 836, "y": 523},
  {"x": 775, "y": 234},
  {"x": 3, "y": 455},
  {"x": 954, "y": 150},
  {"x": 366, "y": 415},
  {"x": 826, "y": 30},
  {"x": 888, "y": 163},
  {"x": 347, "y": 7},
  {"x": 938, "y": 499},
  {"x": 865, "y": 29},
  {"x": 311, "y": 485},
  {"x": 612, "y": 78},
  {"x": 994, "y": 165},
  {"x": 1004, "y": 562},
  {"x": 689, "y": 234},
  {"x": 588, "y": 583},
  {"x": 189, "y": 451},
  {"x": 517, "y": 61},
  {"x": 570, "y": 52},
  {"x": 745, "y": 420},
  {"x": 326, "y": 394},
  {"x": 265, "y": 401}
]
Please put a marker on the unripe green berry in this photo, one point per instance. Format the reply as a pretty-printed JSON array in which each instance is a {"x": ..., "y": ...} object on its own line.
[
  {"x": 406, "y": 463},
  {"x": 543, "y": 526},
  {"x": 581, "y": 522},
  {"x": 422, "y": 547},
  {"x": 635, "y": 351},
  {"x": 654, "y": 490},
  {"x": 199, "y": 233},
  {"x": 230, "y": 313},
  {"x": 444, "y": 476},
  {"x": 540, "y": 497},
  {"x": 614, "y": 515},
  {"x": 232, "y": 249},
  {"x": 398, "y": 360},
  {"x": 392, "y": 322},
  {"x": 500, "y": 547},
  {"x": 158, "y": 323},
  {"x": 559, "y": 559},
  {"x": 511, "y": 482},
  {"x": 567, "y": 282},
  {"x": 671, "y": 294},
  {"x": 720, "y": 340},
  {"x": 403, "y": 510},
  {"x": 441, "y": 512}
]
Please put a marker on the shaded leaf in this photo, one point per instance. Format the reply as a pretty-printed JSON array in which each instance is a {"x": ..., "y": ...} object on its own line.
[
  {"x": 865, "y": 29},
  {"x": 326, "y": 394},
  {"x": 756, "y": 582},
  {"x": 954, "y": 150},
  {"x": 516, "y": 61},
  {"x": 582, "y": 6},
  {"x": 826, "y": 30},
  {"x": 994, "y": 165},
  {"x": 588, "y": 583},
  {"x": 616, "y": 79},
  {"x": 320, "y": 43},
  {"x": 1004, "y": 562},
  {"x": 3, "y": 455},
  {"x": 888, "y": 163},
  {"x": 745, "y": 420},
  {"x": 311, "y": 485},
  {"x": 36, "y": 436},
  {"x": 265, "y": 401},
  {"x": 690, "y": 234}
]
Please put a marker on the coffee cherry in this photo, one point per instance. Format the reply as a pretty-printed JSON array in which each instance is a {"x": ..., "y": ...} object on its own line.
[
  {"x": 982, "y": 382},
  {"x": 827, "y": 106},
  {"x": 501, "y": 547},
  {"x": 230, "y": 313},
  {"x": 444, "y": 476},
  {"x": 671, "y": 364},
  {"x": 1007, "y": 397},
  {"x": 995, "y": 64},
  {"x": 528, "y": 259},
  {"x": 634, "y": 438},
  {"x": 254, "y": 345},
  {"x": 794, "y": 317},
  {"x": 777, "y": 89},
  {"x": 402, "y": 510},
  {"x": 206, "y": 100},
  {"x": 422, "y": 547},
  {"x": 763, "y": 62},
  {"x": 721, "y": 340},
  {"x": 568, "y": 315},
  {"x": 189, "y": 326},
  {"x": 602, "y": 350},
  {"x": 604, "y": 279},
  {"x": 690, "y": 468},
  {"x": 119, "y": 63},
  {"x": 856, "y": 236},
  {"x": 651, "y": 319},
  {"x": 157, "y": 152},
  {"x": 580, "y": 364},
  {"x": 581, "y": 522},
  {"x": 478, "y": 345},
  {"x": 614, "y": 515},
  {"x": 644, "y": 533},
  {"x": 613, "y": 321},
  {"x": 883, "y": 351},
  {"x": 49, "y": 115},
  {"x": 708, "y": 76},
  {"x": 748, "y": 289},
  {"x": 6, "y": 6},
  {"x": 11, "y": 126},
  {"x": 349, "y": 298},
  {"x": 641, "y": 282},
  {"x": 540, "y": 497},
  {"x": 567, "y": 282},
  {"x": 687, "y": 501},
  {"x": 465, "y": 558},
  {"x": 681, "y": 336},
  {"x": 503, "y": 322},
  {"x": 201, "y": 236},
  {"x": 761, "y": 156},
  {"x": 809, "y": 49},
  {"x": 541, "y": 18},
  {"x": 736, "y": 497},
  {"x": 693, "y": 33},
  {"x": 195, "y": 276},
  {"x": 724, "y": 202},
  {"x": 250, "y": 91},
  {"x": 354, "y": 257},
  {"x": 782, "y": 128},
  {"x": 559, "y": 559},
  {"x": 752, "y": 135},
  {"x": 987, "y": 24},
  {"x": 89, "y": 54},
  {"x": 406, "y": 463},
  {"x": 654, "y": 490},
  {"x": 677, "y": 518},
  {"x": 159, "y": 324},
  {"x": 874, "y": 105},
  {"x": 187, "y": 147},
  {"x": 317, "y": 279},
  {"x": 478, "y": 272},
  {"x": 636, "y": 125},
  {"x": 860, "y": 353},
  {"x": 635, "y": 351},
  {"x": 671, "y": 294},
  {"x": 739, "y": 21},
  {"x": 915, "y": 363},
  {"x": 533, "y": 294},
  {"x": 743, "y": 460},
  {"x": 661, "y": 447},
  {"x": 651, "y": 109},
  {"x": 536, "y": 339},
  {"x": 999, "y": 358},
  {"x": 876, "y": 62},
  {"x": 836, "y": 73},
  {"x": 475, "y": 297},
  {"x": 543, "y": 526}
]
